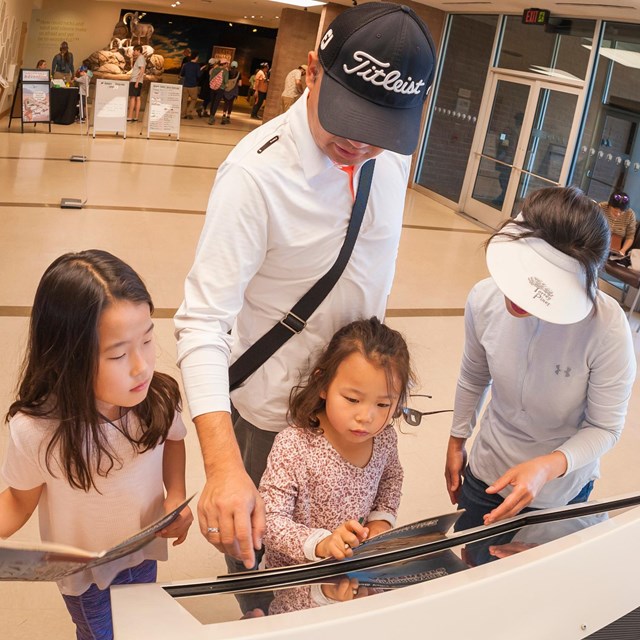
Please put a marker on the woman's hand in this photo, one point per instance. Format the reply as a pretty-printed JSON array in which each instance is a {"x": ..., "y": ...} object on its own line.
[
  {"x": 527, "y": 479},
  {"x": 455, "y": 464},
  {"x": 339, "y": 544}
]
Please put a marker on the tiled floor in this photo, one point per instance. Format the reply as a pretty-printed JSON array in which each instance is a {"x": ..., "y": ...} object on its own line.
[{"x": 145, "y": 202}]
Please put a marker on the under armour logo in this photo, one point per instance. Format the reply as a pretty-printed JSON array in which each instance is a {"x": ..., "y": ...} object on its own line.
[
  {"x": 567, "y": 371},
  {"x": 326, "y": 39}
]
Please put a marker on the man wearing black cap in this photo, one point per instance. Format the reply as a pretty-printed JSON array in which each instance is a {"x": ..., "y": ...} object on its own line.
[{"x": 276, "y": 221}]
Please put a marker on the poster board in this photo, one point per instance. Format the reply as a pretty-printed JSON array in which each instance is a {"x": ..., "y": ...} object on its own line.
[
  {"x": 111, "y": 102},
  {"x": 224, "y": 53},
  {"x": 163, "y": 109},
  {"x": 36, "y": 105},
  {"x": 32, "y": 99}
]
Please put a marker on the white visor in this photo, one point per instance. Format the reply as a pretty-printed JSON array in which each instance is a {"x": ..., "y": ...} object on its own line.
[{"x": 538, "y": 278}]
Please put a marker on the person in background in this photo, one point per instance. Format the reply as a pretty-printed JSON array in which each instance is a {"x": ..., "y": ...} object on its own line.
[
  {"x": 205, "y": 90},
  {"x": 294, "y": 85},
  {"x": 62, "y": 64},
  {"x": 136, "y": 81},
  {"x": 218, "y": 78},
  {"x": 622, "y": 221},
  {"x": 190, "y": 75},
  {"x": 82, "y": 79},
  {"x": 275, "y": 222},
  {"x": 42, "y": 64},
  {"x": 95, "y": 433},
  {"x": 557, "y": 355},
  {"x": 186, "y": 56},
  {"x": 261, "y": 84},
  {"x": 251, "y": 96},
  {"x": 231, "y": 89}
]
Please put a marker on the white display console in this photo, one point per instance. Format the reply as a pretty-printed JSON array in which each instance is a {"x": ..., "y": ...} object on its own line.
[{"x": 564, "y": 589}]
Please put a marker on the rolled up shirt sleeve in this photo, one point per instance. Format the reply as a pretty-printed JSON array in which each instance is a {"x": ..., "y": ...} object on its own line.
[{"x": 229, "y": 253}]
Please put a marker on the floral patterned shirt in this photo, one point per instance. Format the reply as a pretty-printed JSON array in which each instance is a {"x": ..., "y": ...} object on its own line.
[{"x": 309, "y": 490}]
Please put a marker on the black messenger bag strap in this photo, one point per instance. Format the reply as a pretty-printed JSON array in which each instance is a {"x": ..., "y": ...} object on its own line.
[{"x": 296, "y": 319}]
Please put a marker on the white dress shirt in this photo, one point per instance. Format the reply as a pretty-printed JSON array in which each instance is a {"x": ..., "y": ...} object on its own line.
[{"x": 276, "y": 220}]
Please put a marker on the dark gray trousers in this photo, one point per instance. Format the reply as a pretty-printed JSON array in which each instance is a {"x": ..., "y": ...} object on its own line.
[{"x": 255, "y": 445}]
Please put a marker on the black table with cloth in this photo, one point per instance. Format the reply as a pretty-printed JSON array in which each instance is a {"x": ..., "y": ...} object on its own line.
[{"x": 64, "y": 104}]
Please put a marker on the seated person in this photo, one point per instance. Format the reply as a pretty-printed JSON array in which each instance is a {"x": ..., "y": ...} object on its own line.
[{"x": 622, "y": 221}]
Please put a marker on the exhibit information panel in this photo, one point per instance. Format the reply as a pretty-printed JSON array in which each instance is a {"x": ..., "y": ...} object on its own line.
[
  {"x": 111, "y": 102},
  {"x": 164, "y": 109},
  {"x": 36, "y": 105},
  {"x": 35, "y": 102}
]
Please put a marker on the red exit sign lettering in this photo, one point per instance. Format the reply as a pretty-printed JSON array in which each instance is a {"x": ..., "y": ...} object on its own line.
[{"x": 535, "y": 16}]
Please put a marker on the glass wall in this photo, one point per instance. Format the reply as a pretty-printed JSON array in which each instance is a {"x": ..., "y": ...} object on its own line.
[
  {"x": 467, "y": 58},
  {"x": 559, "y": 50},
  {"x": 555, "y": 49},
  {"x": 608, "y": 155}
]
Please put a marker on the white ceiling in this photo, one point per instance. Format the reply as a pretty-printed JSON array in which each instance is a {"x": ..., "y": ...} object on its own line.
[{"x": 266, "y": 12}]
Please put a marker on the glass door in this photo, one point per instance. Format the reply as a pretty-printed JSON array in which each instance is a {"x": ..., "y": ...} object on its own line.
[
  {"x": 617, "y": 141},
  {"x": 524, "y": 147}
]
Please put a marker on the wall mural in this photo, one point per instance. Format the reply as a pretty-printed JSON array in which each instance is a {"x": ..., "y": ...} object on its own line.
[
  {"x": 164, "y": 38},
  {"x": 172, "y": 34},
  {"x": 114, "y": 62}
]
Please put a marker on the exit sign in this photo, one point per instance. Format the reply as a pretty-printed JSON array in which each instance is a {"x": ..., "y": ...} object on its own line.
[{"x": 535, "y": 16}]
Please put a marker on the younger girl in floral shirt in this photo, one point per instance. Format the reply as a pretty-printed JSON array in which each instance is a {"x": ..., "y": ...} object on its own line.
[{"x": 338, "y": 465}]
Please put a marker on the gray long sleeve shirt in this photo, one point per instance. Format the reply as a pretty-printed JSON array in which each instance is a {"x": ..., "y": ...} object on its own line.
[{"x": 553, "y": 388}]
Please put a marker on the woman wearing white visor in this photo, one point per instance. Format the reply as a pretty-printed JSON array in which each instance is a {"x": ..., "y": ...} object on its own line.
[{"x": 558, "y": 356}]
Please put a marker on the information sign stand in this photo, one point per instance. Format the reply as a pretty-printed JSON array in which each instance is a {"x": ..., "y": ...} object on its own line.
[
  {"x": 110, "y": 112},
  {"x": 163, "y": 109},
  {"x": 34, "y": 92}
]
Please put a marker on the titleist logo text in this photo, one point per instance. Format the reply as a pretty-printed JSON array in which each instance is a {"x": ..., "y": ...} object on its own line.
[{"x": 373, "y": 71}]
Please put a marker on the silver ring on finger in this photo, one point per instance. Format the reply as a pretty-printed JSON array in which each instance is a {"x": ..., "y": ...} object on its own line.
[{"x": 213, "y": 530}]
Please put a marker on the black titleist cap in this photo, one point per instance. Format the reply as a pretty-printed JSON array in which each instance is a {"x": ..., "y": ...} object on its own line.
[{"x": 378, "y": 60}]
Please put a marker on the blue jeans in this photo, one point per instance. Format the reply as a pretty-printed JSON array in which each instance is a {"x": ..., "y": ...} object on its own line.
[
  {"x": 91, "y": 611},
  {"x": 477, "y": 503}
]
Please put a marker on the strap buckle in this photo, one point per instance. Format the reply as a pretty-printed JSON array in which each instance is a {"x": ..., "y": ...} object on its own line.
[{"x": 294, "y": 323}]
